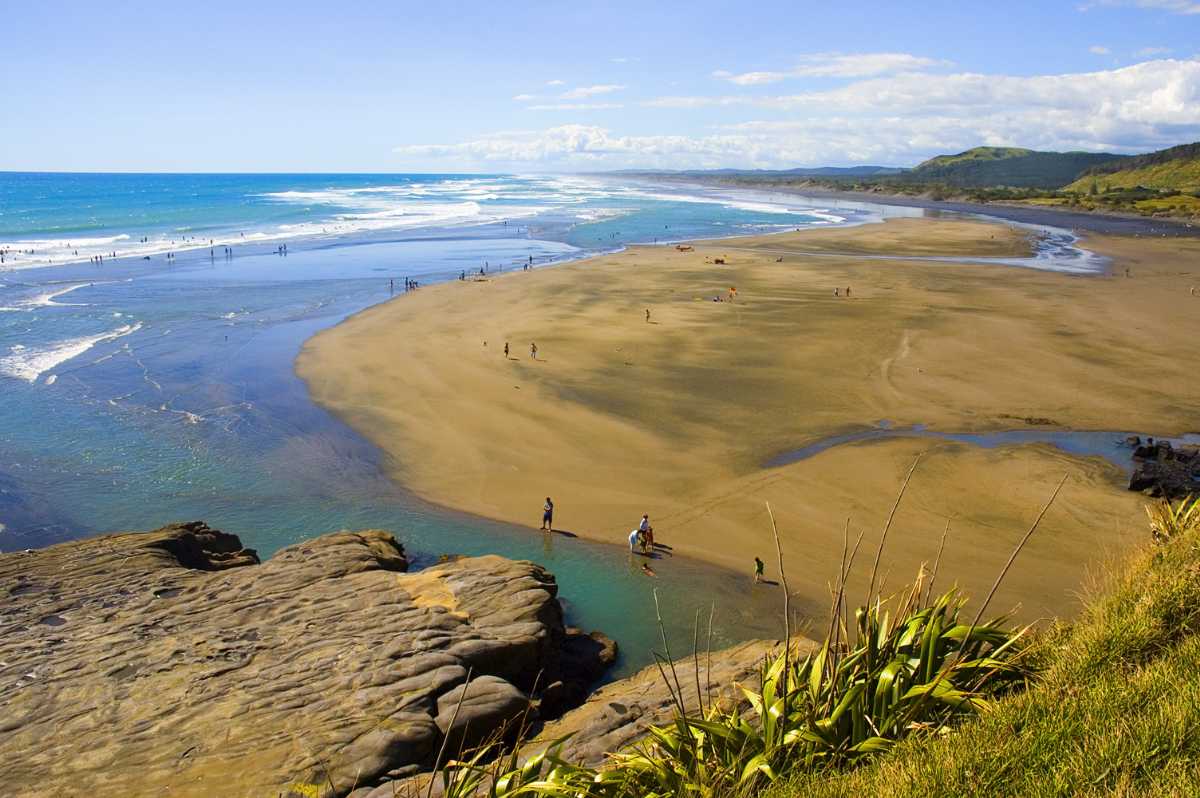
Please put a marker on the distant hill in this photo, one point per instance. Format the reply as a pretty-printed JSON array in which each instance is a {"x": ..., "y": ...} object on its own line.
[
  {"x": 802, "y": 171},
  {"x": 1008, "y": 166},
  {"x": 846, "y": 171},
  {"x": 1174, "y": 168}
]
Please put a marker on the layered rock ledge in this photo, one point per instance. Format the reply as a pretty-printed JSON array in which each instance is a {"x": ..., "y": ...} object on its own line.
[
  {"x": 173, "y": 662},
  {"x": 619, "y": 714}
]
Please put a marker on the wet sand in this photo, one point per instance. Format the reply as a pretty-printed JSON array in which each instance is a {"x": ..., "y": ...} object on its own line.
[{"x": 676, "y": 417}]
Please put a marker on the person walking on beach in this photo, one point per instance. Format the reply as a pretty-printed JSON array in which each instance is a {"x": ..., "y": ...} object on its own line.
[
  {"x": 506, "y": 350},
  {"x": 533, "y": 351},
  {"x": 758, "y": 570},
  {"x": 647, "y": 315},
  {"x": 847, "y": 292},
  {"x": 548, "y": 515}
]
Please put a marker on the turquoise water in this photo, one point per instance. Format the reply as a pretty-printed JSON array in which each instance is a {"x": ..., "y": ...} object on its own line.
[
  {"x": 1112, "y": 445},
  {"x": 147, "y": 389}
]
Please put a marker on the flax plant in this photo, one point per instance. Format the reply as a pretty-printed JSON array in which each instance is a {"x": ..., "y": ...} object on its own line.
[{"x": 906, "y": 664}]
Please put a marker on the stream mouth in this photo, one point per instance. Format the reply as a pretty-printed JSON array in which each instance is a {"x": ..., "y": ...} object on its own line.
[{"x": 1115, "y": 447}]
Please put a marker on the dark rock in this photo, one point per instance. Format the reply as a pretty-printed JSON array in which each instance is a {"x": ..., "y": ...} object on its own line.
[
  {"x": 1145, "y": 452},
  {"x": 194, "y": 545},
  {"x": 560, "y": 696},
  {"x": 483, "y": 710},
  {"x": 585, "y": 657},
  {"x": 1163, "y": 471}
]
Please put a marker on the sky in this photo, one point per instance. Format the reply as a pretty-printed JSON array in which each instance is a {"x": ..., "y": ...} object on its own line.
[{"x": 302, "y": 86}]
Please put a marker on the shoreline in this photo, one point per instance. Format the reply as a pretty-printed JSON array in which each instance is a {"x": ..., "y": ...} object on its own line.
[
  {"x": 477, "y": 471},
  {"x": 1102, "y": 222}
]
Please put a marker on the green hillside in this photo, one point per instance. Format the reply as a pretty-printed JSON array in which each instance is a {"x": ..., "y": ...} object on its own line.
[
  {"x": 973, "y": 155},
  {"x": 1007, "y": 166},
  {"x": 1176, "y": 168},
  {"x": 1165, "y": 183},
  {"x": 1113, "y": 709}
]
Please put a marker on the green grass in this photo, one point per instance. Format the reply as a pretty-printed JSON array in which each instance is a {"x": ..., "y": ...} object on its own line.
[
  {"x": 1177, "y": 205},
  {"x": 1181, "y": 174},
  {"x": 1115, "y": 709}
]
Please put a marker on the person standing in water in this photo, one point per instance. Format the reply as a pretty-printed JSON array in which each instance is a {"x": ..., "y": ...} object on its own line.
[{"x": 548, "y": 516}]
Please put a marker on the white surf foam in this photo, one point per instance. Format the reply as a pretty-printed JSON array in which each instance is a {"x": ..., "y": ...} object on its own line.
[
  {"x": 602, "y": 214},
  {"x": 29, "y": 363},
  {"x": 46, "y": 300}
]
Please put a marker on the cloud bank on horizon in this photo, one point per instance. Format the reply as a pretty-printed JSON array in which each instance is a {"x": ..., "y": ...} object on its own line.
[{"x": 895, "y": 108}]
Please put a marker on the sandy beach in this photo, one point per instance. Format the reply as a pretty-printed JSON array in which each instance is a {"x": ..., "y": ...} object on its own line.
[{"x": 676, "y": 416}]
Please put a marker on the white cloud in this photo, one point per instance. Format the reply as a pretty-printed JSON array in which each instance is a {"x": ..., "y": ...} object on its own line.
[
  {"x": 1099, "y": 49},
  {"x": 590, "y": 91},
  {"x": 1150, "y": 52},
  {"x": 583, "y": 145},
  {"x": 834, "y": 65},
  {"x": 891, "y": 120},
  {"x": 522, "y": 98},
  {"x": 1173, "y": 6},
  {"x": 556, "y": 83},
  {"x": 574, "y": 107},
  {"x": 696, "y": 102},
  {"x": 1151, "y": 88}
]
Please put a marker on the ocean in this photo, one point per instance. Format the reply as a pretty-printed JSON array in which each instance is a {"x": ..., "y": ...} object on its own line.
[{"x": 148, "y": 326}]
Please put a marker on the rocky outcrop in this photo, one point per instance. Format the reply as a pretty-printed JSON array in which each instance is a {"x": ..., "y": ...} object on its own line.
[
  {"x": 1165, "y": 471},
  {"x": 172, "y": 662},
  {"x": 618, "y": 714}
]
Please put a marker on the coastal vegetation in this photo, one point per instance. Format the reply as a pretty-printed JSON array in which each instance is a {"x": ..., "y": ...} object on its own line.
[
  {"x": 1114, "y": 708},
  {"x": 1161, "y": 183},
  {"x": 1012, "y": 167},
  {"x": 1172, "y": 168},
  {"x": 928, "y": 705}
]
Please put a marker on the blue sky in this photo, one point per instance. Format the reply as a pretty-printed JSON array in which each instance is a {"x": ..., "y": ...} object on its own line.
[{"x": 554, "y": 86}]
